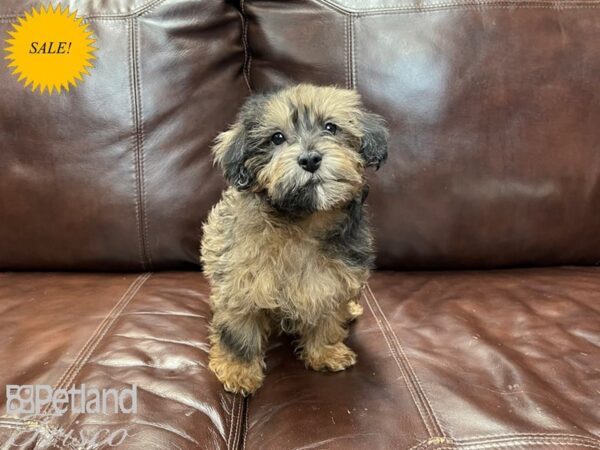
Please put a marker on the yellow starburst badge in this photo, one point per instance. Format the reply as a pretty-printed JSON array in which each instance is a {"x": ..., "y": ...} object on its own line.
[{"x": 50, "y": 49}]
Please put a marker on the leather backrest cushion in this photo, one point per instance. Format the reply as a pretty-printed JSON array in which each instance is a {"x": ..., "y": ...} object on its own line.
[
  {"x": 117, "y": 174},
  {"x": 494, "y": 110}
]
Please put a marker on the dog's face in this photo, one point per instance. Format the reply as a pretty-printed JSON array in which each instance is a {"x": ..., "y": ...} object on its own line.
[{"x": 305, "y": 147}]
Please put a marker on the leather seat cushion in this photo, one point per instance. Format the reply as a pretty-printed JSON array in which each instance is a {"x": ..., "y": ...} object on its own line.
[
  {"x": 117, "y": 174},
  {"x": 464, "y": 360},
  {"x": 493, "y": 109}
]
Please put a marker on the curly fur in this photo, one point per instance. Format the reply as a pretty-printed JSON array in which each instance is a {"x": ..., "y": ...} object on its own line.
[{"x": 287, "y": 249}]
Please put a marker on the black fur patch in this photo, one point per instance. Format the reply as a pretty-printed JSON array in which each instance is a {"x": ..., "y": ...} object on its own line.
[
  {"x": 351, "y": 241},
  {"x": 294, "y": 114},
  {"x": 233, "y": 161},
  {"x": 299, "y": 201},
  {"x": 236, "y": 344},
  {"x": 374, "y": 147},
  {"x": 244, "y": 147}
]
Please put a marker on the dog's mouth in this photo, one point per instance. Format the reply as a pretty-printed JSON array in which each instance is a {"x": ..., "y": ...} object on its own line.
[
  {"x": 315, "y": 193},
  {"x": 317, "y": 180}
]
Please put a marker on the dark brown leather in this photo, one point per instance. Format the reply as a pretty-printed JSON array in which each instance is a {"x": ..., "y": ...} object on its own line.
[
  {"x": 494, "y": 112},
  {"x": 493, "y": 109},
  {"x": 111, "y": 331},
  {"x": 465, "y": 360},
  {"x": 117, "y": 174}
]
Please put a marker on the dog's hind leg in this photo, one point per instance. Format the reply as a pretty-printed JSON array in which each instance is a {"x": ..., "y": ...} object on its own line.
[
  {"x": 237, "y": 350},
  {"x": 322, "y": 347}
]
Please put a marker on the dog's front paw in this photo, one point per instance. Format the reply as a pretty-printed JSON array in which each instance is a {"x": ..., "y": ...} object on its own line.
[
  {"x": 335, "y": 357},
  {"x": 238, "y": 377}
]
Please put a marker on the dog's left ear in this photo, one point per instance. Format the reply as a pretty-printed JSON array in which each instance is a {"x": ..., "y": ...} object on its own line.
[{"x": 374, "y": 143}]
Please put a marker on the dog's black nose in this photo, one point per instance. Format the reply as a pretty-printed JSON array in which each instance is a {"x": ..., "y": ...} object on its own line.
[{"x": 310, "y": 161}]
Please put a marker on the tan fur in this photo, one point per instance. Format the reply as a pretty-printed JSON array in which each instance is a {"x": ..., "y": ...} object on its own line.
[
  {"x": 355, "y": 310},
  {"x": 267, "y": 252},
  {"x": 237, "y": 377}
]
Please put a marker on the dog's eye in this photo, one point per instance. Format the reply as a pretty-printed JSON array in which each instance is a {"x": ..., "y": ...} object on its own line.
[
  {"x": 278, "y": 138},
  {"x": 331, "y": 127}
]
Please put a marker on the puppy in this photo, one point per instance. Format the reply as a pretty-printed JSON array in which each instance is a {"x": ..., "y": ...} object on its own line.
[{"x": 288, "y": 248}]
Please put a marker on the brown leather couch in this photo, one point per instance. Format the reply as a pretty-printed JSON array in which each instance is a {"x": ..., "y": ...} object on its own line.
[{"x": 481, "y": 328}]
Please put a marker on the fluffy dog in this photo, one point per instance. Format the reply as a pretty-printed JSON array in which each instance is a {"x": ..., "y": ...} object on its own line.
[{"x": 288, "y": 247}]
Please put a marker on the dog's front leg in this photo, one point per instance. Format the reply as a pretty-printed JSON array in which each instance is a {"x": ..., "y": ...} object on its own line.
[
  {"x": 321, "y": 345},
  {"x": 237, "y": 350}
]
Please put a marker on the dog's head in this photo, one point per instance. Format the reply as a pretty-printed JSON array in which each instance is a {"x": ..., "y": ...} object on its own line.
[{"x": 305, "y": 147}]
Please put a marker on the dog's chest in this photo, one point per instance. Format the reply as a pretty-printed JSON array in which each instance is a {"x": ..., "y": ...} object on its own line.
[{"x": 298, "y": 273}]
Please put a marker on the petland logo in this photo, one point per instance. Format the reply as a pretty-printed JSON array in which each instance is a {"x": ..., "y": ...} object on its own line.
[{"x": 43, "y": 400}]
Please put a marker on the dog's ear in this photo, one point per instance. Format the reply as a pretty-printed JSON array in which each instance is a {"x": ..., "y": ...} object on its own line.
[
  {"x": 374, "y": 143},
  {"x": 232, "y": 147},
  {"x": 230, "y": 155}
]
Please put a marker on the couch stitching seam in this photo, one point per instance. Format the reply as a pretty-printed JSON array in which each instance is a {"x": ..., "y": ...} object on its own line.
[
  {"x": 247, "y": 54},
  {"x": 456, "y": 5},
  {"x": 142, "y": 132},
  {"x": 249, "y": 67},
  {"x": 516, "y": 442},
  {"x": 15, "y": 427},
  {"x": 353, "y": 66},
  {"x": 351, "y": 51},
  {"x": 499, "y": 441},
  {"x": 348, "y": 68},
  {"x": 134, "y": 139},
  {"x": 420, "y": 390},
  {"x": 92, "y": 343},
  {"x": 238, "y": 423},
  {"x": 62, "y": 380},
  {"x": 420, "y": 9},
  {"x": 115, "y": 314},
  {"x": 477, "y": 7},
  {"x": 238, "y": 419},
  {"x": 104, "y": 324},
  {"x": 347, "y": 84},
  {"x": 230, "y": 434},
  {"x": 143, "y": 9},
  {"x": 508, "y": 436},
  {"x": 24, "y": 426},
  {"x": 410, "y": 386},
  {"x": 247, "y": 402},
  {"x": 431, "y": 442},
  {"x": 138, "y": 141}
]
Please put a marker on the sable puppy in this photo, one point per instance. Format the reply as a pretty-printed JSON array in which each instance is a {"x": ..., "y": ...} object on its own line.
[{"x": 288, "y": 247}]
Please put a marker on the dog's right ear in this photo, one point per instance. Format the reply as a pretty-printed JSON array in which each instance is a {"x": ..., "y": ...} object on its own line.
[
  {"x": 230, "y": 154},
  {"x": 233, "y": 147}
]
